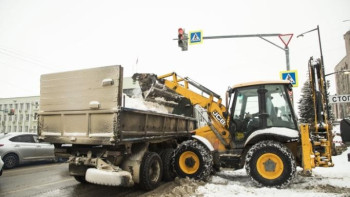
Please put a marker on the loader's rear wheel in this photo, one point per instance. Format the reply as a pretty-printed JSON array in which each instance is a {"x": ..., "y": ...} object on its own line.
[
  {"x": 271, "y": 164},
  {"x": 151, "y": 171},
  {"x": 193, "y": 160}
]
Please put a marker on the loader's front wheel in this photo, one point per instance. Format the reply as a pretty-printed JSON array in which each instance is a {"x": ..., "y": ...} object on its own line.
[
  {"x": 193, "y": 160},
  {"x": 270, "y": 163}
]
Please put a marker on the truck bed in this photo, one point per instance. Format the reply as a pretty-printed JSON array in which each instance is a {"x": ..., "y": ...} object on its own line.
[{"x": 84, "y": 107}]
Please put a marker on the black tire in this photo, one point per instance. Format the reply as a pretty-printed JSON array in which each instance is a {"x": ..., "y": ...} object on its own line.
[
  {"x": 334, "y": 150},
  {"x": 151, "y": 171},
  {"x": 270, "y": 163},
  {"x": 81, "y": 179},
  {"x": 167, "y": 157},
  {"x": 10, "y": 161},
  {"x": 192, "y": 159}
]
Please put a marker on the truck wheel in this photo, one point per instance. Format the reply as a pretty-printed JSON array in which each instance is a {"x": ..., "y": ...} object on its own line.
[
  {"x": 270, "y": 163},
  {"x": 10, "y": 161},
  {"x": 151, "y": 171},
  {"x": 167, "y": 158},
  {"x": 193, "y": 160},
  {"x": 81, "y": 179}
]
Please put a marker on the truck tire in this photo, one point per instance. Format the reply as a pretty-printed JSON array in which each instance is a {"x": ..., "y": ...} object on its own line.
[
  {"x": 270, "y": 163},
  {"x": 192, "y": 159},
  {"x": 10, "y": 160},
  {"x": 151, "y": 171},
  {"x": 81, "y": 179},
  {"x": 167, "y": 156}
]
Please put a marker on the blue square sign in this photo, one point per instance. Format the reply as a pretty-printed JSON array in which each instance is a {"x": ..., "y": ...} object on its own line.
[
  {"x": 290, "y": 75},
  {"x": 196, "y": 37}
]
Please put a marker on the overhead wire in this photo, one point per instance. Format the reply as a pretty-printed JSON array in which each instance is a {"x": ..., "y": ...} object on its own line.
[{"x": 26, "y": 58}]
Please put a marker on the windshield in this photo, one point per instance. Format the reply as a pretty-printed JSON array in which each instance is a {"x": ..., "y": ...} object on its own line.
[{"x": 278, "y": 108}]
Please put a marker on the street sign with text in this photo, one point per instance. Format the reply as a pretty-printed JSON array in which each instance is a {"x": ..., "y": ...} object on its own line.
[{"x": 339, "y": 98}]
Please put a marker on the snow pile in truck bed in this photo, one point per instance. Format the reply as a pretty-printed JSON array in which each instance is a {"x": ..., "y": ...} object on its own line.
[{"x": 138, "y": 103}]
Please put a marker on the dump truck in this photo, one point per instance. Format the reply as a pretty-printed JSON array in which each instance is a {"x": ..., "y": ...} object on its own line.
[{"x": 84, "y": 115}]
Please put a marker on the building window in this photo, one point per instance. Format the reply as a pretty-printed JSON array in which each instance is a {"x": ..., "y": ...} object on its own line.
[
  {"x": 27, "y": 106},
  {"x": 0, "y": 107},
  {"x": 15, "y": 128},
  {"x": 26, "y": 129},
  {"x": 20, "y": 129},
  {"x": 21, "y": 106},
  {"x": 10, "y": 118},
  {"x": 16, "y": 106},
  {"x": 5, "y": 117},
  {"x": 21, "y": 117},
  {"x": 27, "y": 117}
]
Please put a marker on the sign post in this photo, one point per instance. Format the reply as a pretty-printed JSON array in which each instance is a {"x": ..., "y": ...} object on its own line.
[{"x": 285, "y": 38}]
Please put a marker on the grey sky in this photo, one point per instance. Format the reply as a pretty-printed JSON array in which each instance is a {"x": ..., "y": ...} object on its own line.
[{"x": 43, "y": 36}]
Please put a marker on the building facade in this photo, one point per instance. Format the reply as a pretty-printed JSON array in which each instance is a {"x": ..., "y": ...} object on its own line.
[
  {"x": 342, "y": 110},
  {"x": 24, "y": 118}
]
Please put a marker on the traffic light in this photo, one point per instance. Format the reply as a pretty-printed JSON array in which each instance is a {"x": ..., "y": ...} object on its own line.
[
  {"x": 11, "y": 112},
  {"x": 182, "y": 39}
]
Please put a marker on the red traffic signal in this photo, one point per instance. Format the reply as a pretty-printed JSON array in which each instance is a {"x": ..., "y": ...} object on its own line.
[{"x": 182, "y": 39}]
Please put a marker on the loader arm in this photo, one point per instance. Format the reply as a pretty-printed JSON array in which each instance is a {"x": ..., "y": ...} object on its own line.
[
  {"x": 317, "y": 139},
  {"x": 216, "y": 131}
]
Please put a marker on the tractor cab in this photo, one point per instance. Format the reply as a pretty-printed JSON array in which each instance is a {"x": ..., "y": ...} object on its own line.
[{"x": 260, "y": 106}]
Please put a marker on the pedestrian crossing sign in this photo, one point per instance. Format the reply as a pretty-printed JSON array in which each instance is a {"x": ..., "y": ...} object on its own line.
[
  {"x": 290, "y": 75},
  {"x": 196, "y": 37}
]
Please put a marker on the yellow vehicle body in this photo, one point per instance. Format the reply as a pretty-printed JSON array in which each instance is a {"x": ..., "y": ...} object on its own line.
[{"x": 315, "y": 150}]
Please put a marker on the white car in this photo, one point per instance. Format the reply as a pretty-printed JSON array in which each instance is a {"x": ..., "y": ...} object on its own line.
[
  {"x": 18, "y": 148},
  {"x": 1, "y": 165}
]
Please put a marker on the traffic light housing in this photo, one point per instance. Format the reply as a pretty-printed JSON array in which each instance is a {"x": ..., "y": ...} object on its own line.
[{"x": 182, "y": 39}]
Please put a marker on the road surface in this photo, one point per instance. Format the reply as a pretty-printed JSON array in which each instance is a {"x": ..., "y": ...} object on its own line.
[{"x": 51, "y": 180}]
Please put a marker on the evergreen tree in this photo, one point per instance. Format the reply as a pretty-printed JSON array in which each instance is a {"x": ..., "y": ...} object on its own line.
[{"x": 306, "y": 109}]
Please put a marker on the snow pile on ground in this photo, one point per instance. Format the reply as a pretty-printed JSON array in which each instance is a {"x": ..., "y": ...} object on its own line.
[
  {"x": 333, "y": 181},
  {"x": 183, "y": 187}
]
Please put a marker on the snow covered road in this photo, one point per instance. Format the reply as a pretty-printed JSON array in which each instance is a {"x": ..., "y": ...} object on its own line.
[{"x": 333, "y": 181}]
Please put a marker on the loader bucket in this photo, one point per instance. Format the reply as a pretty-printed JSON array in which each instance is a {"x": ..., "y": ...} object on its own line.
[{"x": 154, "y": 90}]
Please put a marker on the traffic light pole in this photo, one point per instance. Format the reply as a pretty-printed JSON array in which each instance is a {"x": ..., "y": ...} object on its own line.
[{"x": 262, "y": 36}]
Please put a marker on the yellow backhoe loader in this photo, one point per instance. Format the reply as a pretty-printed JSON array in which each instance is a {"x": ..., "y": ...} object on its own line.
[{"x": 256, "y": 128}]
